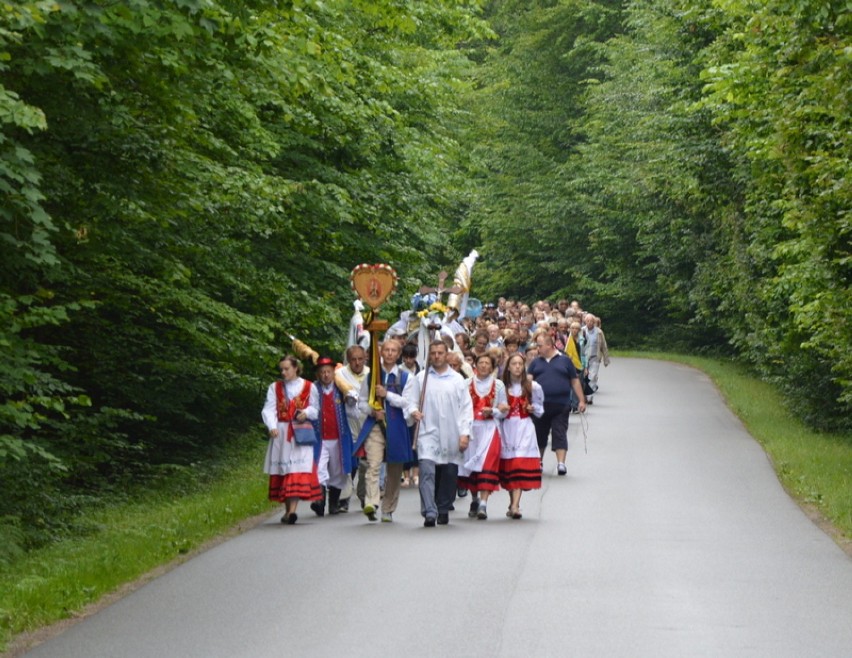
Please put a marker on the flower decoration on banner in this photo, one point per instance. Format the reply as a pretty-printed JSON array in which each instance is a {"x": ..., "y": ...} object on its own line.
[
  {"x": 436, "y": 307},
  {"x": 421, "y": 302},
  {"x": 373, "y": 283}
]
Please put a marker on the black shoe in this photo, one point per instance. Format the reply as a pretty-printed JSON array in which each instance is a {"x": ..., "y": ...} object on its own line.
[
  {"x": 343, "y": 508},
  {"x": 461, "y": 492},
  {"x": 333, "y": 500},
  {"x": 318, "y": 506},
  {"x": 429, "y": 522},
  {"x": 443, "y": 519},
  {"x": 474, "y": 508},
  {"x": 292, "y": 518}
]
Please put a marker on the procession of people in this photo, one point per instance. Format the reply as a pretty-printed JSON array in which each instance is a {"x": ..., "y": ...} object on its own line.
[{"x": 471, "y": 414}]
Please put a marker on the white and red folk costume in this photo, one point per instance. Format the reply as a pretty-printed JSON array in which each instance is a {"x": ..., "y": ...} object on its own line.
[
  {"x": 520, "y": 459},
  {"x": 291, "y": 467},
  {"x": 481, "y": 468}
]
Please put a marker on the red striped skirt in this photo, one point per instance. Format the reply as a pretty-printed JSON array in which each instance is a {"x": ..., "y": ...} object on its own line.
[
  {"x": 520, "y": 473},
  {"x": 304, "y": 486},
  {"x": 488, "y": 479}
]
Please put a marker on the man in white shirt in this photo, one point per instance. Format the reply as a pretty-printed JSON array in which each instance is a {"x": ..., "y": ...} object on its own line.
[
  {"x": 349, "y": 379},
  {"x": 445, "y": 416}
]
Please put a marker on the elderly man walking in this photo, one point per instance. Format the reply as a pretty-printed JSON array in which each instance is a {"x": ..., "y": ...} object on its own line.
[
  {"x": 595, "y": 350},
  {"x": 384, "y": 434}
]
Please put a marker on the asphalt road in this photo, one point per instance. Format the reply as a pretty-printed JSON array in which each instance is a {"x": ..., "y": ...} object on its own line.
[{"x": 670, "y": 536}]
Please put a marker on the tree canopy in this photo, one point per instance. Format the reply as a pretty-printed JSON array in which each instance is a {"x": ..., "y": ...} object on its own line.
[
  {"x": 186, "y": 183},
  {"x": 682, "y": 168}
]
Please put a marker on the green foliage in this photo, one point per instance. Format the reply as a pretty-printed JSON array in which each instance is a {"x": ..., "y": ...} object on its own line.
[
  {"x": 778, "y": 82},
  {"x": 654, "y": 181},
  {"x": 529, "y": 107},
  {"x": 32, "y": 393},
  {"x": 187, "y": 183},
  {"x": 683, "y": 169}
]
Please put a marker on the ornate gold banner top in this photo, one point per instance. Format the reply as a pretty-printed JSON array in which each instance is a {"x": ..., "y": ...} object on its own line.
[{"x": 373, "y": 283}]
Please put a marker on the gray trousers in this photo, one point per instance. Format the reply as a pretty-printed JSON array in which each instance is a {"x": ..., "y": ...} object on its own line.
[
  {"x": 594, "y": 367},
  {"x": 437, "y": 487}
]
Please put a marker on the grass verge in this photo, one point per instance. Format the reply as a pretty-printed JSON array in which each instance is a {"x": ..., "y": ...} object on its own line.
[
  {"x": 814, "y": 467},
  {"x": 131, "y": 539}
]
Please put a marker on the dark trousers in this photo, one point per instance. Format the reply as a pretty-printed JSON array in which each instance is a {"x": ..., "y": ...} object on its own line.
[
  {"x": 553, "y": 421},
  {"x": 437, "y": 487}
]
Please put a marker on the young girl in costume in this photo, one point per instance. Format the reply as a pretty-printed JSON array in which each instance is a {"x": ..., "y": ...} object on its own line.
[{"x": 520, "y": 460}]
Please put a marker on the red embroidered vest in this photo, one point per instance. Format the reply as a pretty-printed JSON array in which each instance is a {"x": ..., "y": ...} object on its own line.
[
  {"x": 329, "y": 428},
  {"x": 480, "y": 403},
  {"x": 288, "y": 408},
  {"x": 518, "y": 407}
]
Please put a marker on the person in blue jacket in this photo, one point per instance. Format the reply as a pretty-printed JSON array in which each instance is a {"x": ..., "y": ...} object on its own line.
[{"x": 333, "y": 450}]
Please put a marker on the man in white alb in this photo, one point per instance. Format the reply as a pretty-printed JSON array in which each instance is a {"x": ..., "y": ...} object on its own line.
[{"x": 445, "y": 416}]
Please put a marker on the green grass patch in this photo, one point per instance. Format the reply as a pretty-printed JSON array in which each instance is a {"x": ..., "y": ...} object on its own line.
[
  {"x": 815, "y": 467},
  {"x": 129, "y": 540}
]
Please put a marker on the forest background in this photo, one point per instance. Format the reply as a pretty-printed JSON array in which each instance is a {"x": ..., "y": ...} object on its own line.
[{"x": 185, "y": 183}]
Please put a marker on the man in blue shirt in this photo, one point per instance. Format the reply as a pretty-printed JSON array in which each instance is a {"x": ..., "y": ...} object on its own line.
[{"x": 557, "y": 376}]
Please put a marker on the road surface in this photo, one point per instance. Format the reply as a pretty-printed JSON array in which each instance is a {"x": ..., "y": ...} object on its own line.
[{"x": 670, "y": 536}]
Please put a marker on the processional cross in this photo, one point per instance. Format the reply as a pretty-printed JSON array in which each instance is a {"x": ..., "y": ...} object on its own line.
[{"x": 440, "y": 290}]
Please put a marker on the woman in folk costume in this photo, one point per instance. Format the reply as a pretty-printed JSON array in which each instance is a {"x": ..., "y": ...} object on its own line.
[
  {"x": 480, "y": 472},
  {"x": 520, "y": 459},
  {"x": 291, "y": 467}
]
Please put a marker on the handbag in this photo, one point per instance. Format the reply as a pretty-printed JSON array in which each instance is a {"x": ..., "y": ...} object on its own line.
[{"x": 304, "y": 434}]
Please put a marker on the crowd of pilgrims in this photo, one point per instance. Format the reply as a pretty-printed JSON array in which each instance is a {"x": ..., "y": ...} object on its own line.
[{"x": 476, "y": 419}]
